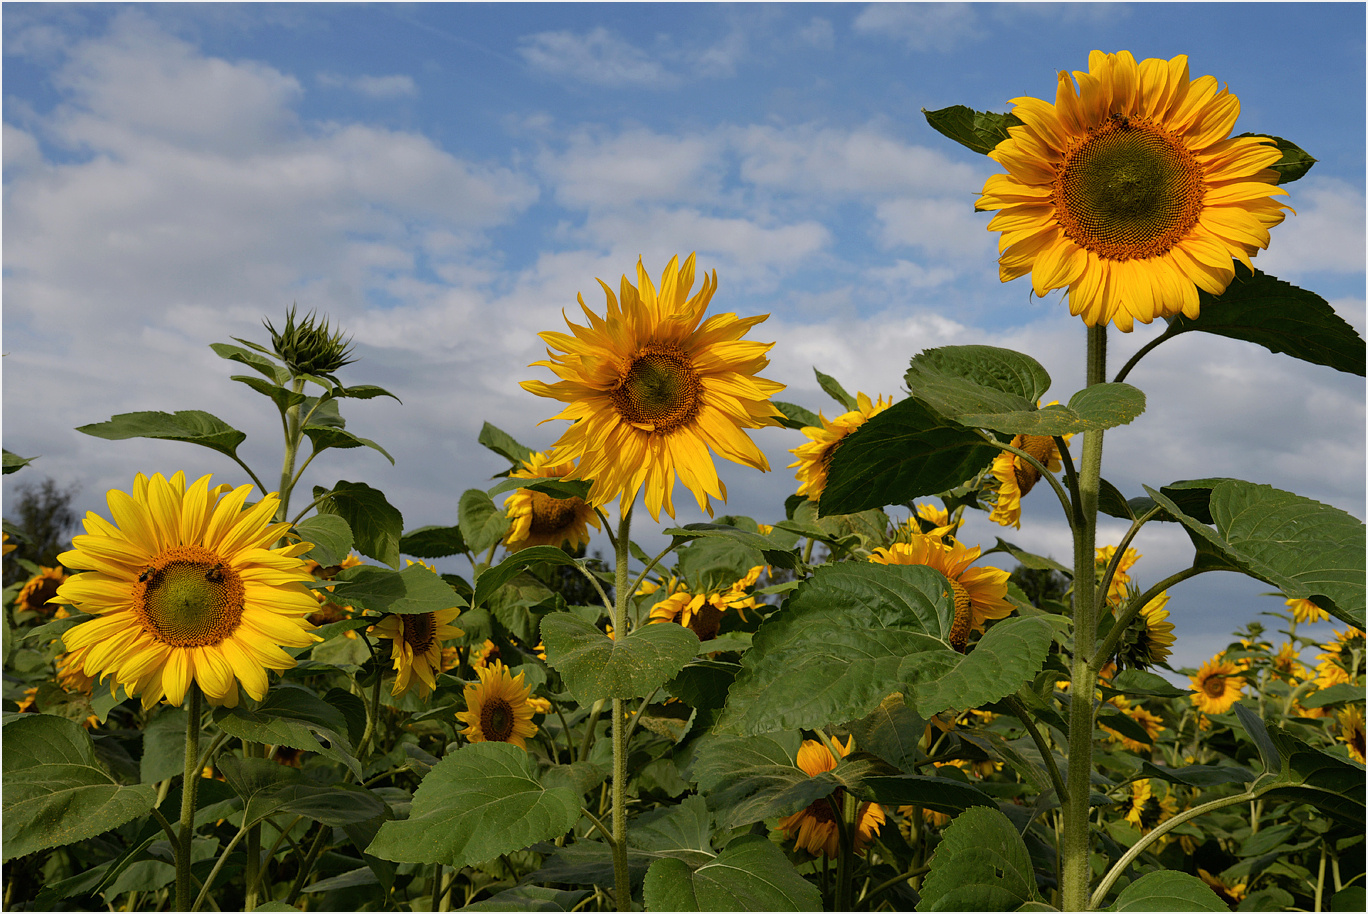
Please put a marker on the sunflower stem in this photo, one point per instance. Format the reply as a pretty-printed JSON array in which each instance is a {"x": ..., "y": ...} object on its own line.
[
  {"x": 293, "y": 427},
  {"x": 621, "y": 594},
  {"x": 1077, "y": 829},
  {"x": 189, "y": 794}
]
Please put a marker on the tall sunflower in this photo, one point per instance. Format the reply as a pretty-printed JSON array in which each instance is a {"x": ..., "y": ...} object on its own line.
[
  {"x": 417, "y": 645},
  {"x": 814, "y": 828},
  {"x": 652, "y": 386},
  {"x": 980, "y": 593},
  {"x": 187, "y": 589},
  {"x": 538, "y": 519},
  {"x": 814, "y": 458},
  {"x": 498, "y": 708},
  {"x": 1217, "y": 685},
  {"x": 1015, "y": 477},
  {"x": 1129, "y": 191}
]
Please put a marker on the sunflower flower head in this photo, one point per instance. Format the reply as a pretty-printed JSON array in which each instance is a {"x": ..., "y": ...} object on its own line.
[
  {"x": 1149, "y": 639},
  {"x": 814, "y": 457},
  {"x": 1343, "y": 660},
  {"x": 980, "y": 594},
  {"x": 1129, "y": 191},
  {"x": 498, "y": 708},
  {"x": 1118, "y": 587},
  {"x": 1152, "y": 724},
  {"x": 417, "y": 644},
  {"x": 703, "y": 613},
  {"x": 652, "y": 390},
  {"x": 1232, "y": 893},
  {"x": 1015, "y": 476},
  {"x": 187, "y": 589},
  {"x": 538, "y": 519},
  {"x": 37, "y": 593},
  {"x": 814, "y": 829},
  {"x": 1217, "y": 685},
  {"x": 1350, "y": 723},
  {"x": 1147, "y": 807},
  {"x": 1306, "y": 611}
]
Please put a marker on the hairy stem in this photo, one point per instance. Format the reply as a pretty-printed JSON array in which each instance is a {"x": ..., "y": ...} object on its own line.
[
  {"x": 189, "y": 795},
  {"x": 621, "y": 594}
]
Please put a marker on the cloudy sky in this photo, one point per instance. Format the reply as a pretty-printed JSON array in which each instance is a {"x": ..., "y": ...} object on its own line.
[{"x": 443, "y": 179}]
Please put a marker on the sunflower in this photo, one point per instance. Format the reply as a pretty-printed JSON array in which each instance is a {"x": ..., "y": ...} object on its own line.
[
  {"x": 1350, "y": 721},
  {"x": 1287, "y": 665},
  {"x": 1149, "y": 639},
  {"x": 417, "y": 640},
  {"x": 814, "y": 829},
  {"x": 1342, "y": 661},
  {"x": 1152, "y": 723},
  {"x": 498, "y": 709},
  {"x": 1145, "y": 810},
  {"x": 538, "y": 519},
  {"x": 36, "y": 595},
  {"x": 1306, "y": 611},
  {"x": 1117, "y": 589},
  {"x": 652, "y": 386},
  {"x": 71, "y": 675},
  {"x": 703, "y": 612},
  {"x": 186, "y": 589},
  {"x": 814, "y": 458},
  {"x": 1129, "y": 191},
  {"x": 484, "y": 655},
  {"x": 980, "y": 593},
  {"x": 1217, "y": 685},
  {"x": 930, "y": 816},
  {"x": 1015, "y": 477},
  {"x": 328, "y": 611},
  {"x": 1231, "y": 893}
]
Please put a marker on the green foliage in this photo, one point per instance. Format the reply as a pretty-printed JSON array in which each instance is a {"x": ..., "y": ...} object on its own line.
[
  {"x": 413, "y": 590},
  {"x": 192, "y": 426},
  {"x": 331, "y": 536},
  {"x": 751, "y": 874},
  {"x": 595, "y": 666},
  {"x": 976, "y": 130},
  {"x": 376, "y": 525},
  {"x": 1165, "y": 890},
  {"x": 296, "y": 718},
  {"x": 981, "y": 865}
]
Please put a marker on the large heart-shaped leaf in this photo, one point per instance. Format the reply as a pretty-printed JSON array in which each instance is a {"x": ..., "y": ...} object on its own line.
[
  {"x": 981, "y": 864},
  {"x": 595, "y": 666},
  {"x": 376, "y": 525},
  {"x": 189, "y": 425},
  {"x": 751, "y": 874}
]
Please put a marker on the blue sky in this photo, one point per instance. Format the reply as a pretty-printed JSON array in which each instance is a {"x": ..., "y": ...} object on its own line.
[{"x": 443, "y": 179}]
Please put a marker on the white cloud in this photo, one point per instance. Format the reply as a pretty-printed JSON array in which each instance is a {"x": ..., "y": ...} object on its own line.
[
  {"x": 939, "y": 226},
  {"x": 1326, "y": 233},
  {"x": 922, "y": 26},
  {"x": 379, "y": 87},
  {"x": 598, "y": 57},
  {"x": 600, "y": 170},
  {"x": 818, "y": 33}
]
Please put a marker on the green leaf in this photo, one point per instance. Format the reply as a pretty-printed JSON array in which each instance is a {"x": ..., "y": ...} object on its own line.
[
  {"x": 55, "y": 791},
  {"x": 941, "y": 794},
  {"x": 13, "y": 462},
  {"x": 555, "y": 487},
  {"x": 491, "y": 579},
  {"x": 1029, "y": 559},
  {"x": 1258, "y": 732},
  {"x": 163, "y": 746},
  {"x": 774, "y": 553},
  {"x": 1198, "y": 775},
  {"x": 190, "y": 425},
  {"x": 1167, "y": 890},
  {"x": 1332, "y": 784},
  {"x": 1349, "y": 898},
  {"x": 1295, "y": 161},
  {"x": 1112, "y": 503},
  {"x": 595, "y": 666},
  {"x": 283, "y": 397},
  {"x": 751, "y": 874},
  {"x": 1342, "y": 692},
  {"x": 1146, "y": 685},
  {"x": 1302, "y": 547},
  {"x": 434, "y": 542},
  {"x": 364, "y": 392},
  {"x": 529, "y": 898},
  {"x": 413, "y": 590},
  {"x": 480, "y": 801},
  {"x": 276, "y": 373},
  {"x": 482, "y": 524},
  {"x": 269, "y": 788},
  {"x": 323, "y": 437},
  {"x": 331, "y": 536},
  {"x": 981, "y": 864},
  {"x": 796, "y": 417},
  {"x": 1003, "y": 371},
  {"x": 703, "y": 684},
  {"x": 503, "y": 444},
  {"x": 1279, "y": 316},
  {"x": 294, "y": 717},
  {"x": 980, "y": 131},
  {"x": 905, "y": 452},
  {"x": 376, "y": 525},
  {"x": 834, "y": 390},
  {"x": 853, "y": 633},
  {"x": 893, "y": 732},
  {"x": 686, "y": 826}
]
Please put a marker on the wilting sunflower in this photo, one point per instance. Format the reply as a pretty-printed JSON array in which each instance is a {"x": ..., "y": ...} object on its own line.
[
  {"x": 498, "y": 709},
  {"x": 1015, "y": 477},
  {"x": 814, "y": 829},
  {"x": 187, "y": 590},
  {"x": 652, "y": 386},
  {"x": 1350, "y": 721},
  {"x": 1217, "y": 685},
  {"x": 1231, "y": 893},
  {"x": 814, "y": 458},
  {"x": 417, "y": 644},
  {"x": 1129, "y": 191},
  {"x": 1145, "y": 810},
  {"x": 538, "y": 519},
  {"x": 37, "y": 593},
  {"x": 1306, "y": 611},
  {"x": 1116, "y": 590},
  {"x": 980, "y": 593}
]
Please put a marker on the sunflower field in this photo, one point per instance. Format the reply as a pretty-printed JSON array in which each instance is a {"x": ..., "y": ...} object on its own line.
[{"x": 235, "y": 695}]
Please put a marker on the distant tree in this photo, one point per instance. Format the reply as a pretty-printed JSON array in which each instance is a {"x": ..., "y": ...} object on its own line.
[
  {"x": 44, "y": 518},
  {"x": 1040, "y": 584}
]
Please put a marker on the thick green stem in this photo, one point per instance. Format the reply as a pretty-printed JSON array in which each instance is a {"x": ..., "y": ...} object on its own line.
[
  {"x": 1076, "y": 845},
  {"x": 621, "y": 596},
  {"x": 189, "y": 795}
]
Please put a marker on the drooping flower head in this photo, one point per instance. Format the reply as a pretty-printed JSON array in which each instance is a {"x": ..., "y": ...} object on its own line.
[
  {"x": 652, "y": 386},
  {"x": 980, "y": 593},
  {"x": 37, "y": 593},
  {"x": 1350, "y": 720},
  {"x": 1217, "y": 685},
  {"x": 1343, "y": 660},
  {"x": 1015, "y": 476},
  {"x": 538, "y": 519},
  {"x": 814, "y": 829},
  {"x": 814, "y": 458},
  {"x": 1232, "y": 893},
  {"x": 1149, "y": 639},
  {"x": 1306, "y": 611},
  {"x": 187, "y": 589},
  {"x": 498, "y": 708},
  {"x": 703, "y": 612},
  {"x": 1130, "y": 192},
  {"x": 417, "y": 644}
]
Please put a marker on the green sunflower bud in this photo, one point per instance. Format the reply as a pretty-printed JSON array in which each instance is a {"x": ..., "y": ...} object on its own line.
[{"x": 309, "y": 346}]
